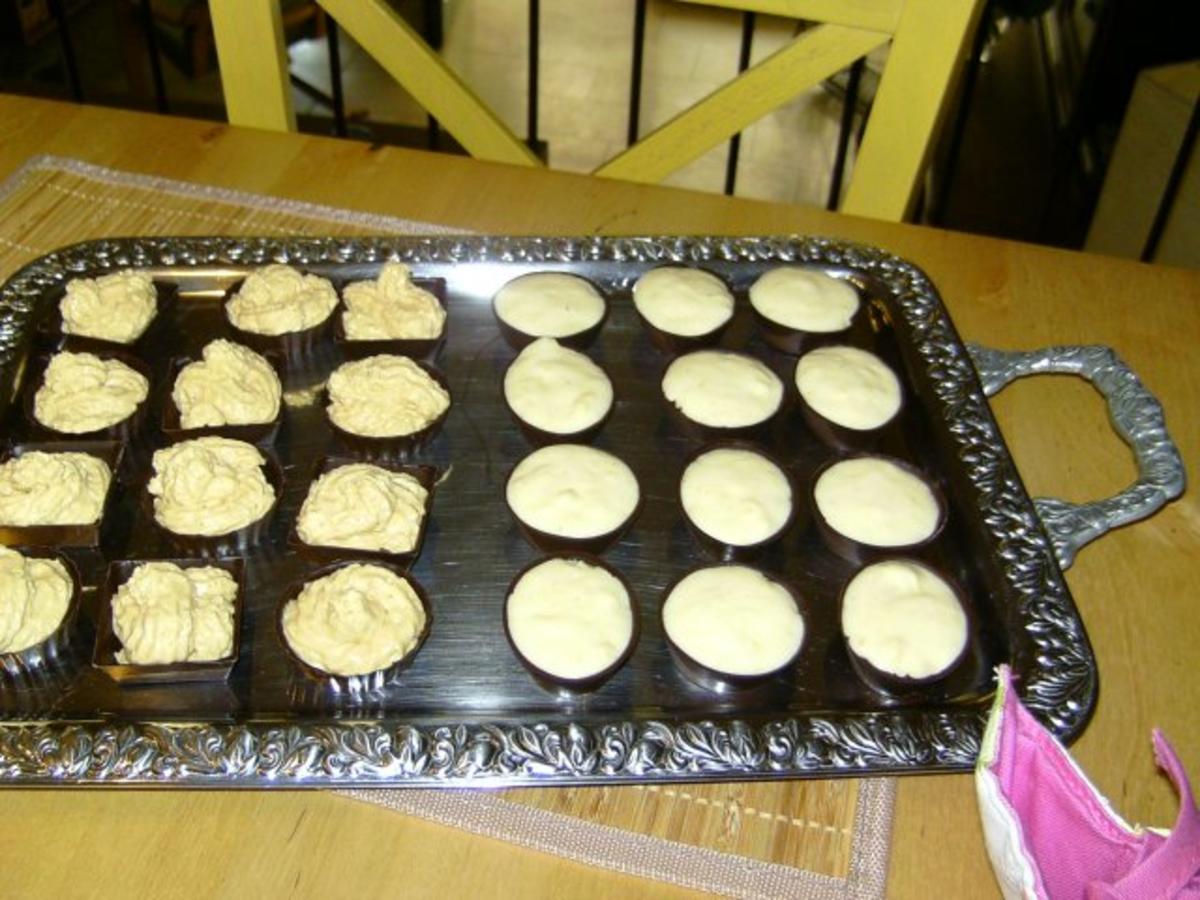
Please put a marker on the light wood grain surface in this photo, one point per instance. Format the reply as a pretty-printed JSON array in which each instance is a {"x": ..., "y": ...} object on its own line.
[{"x": 1135, "y": 588}]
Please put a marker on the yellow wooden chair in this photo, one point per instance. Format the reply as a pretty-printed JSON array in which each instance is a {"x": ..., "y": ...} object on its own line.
[{"x": 929, "y": 41}]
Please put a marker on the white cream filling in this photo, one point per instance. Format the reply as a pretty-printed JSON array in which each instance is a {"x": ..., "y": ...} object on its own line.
[
  {"x": 231, "y": 385},
  {"x": 804, "y": 299},
  {"x": 82, "y": 392},
  {"x": 734, "y": 619},
  {"x": 736, "y": 496},
  {"x": 356, "y": 620},
  {"x": 364, "y": 507},
  {"x": 167, "y": 614},
  {"x": 572, "y": 491},
  {"x": 391, "y": 308},
  {"x": 40, "y": 488},
  {"x": 549, "y": 304},
  {"x": 278, "y": 299},
  {"x": 874, "y": 501},
  {"x": 557, "y": 389},
  {"x": 34, "y": 596},
  {"x": 384, "y": 396},
  {"x": 209, "y": 486},
  {"x": 848, "y": 386},
  {"x": 683, "y": 302},
  {"x": 569, "y": 618},
  {"x": 721, "y": 389},
  {"x": 117, "y": 307},
  {"x": 904, "y": 619}
]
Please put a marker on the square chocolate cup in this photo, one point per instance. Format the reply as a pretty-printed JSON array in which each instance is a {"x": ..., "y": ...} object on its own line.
[
  {"x": 233, "y": 543},
  {"x": 327, "y": 686},
  {"x": 111, "y": 452},
  {"x": 292, "y": 346},
  {"x": 104, "y": 655},
  {"x": 51, "y": 326},
  {"x": 393, "y": 446},
  {"x": 416, "y": 348},
  {"x": 48, "y": 662},
  {"x": 124, "y": 430},
  {"x": 251, "y": 433},
  {"x": 426, "y": 475}
]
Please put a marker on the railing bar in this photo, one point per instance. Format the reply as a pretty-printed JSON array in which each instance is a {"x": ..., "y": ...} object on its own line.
[
  {"x": 735, "y": 142},
  {"x": 635, "y": 82}
]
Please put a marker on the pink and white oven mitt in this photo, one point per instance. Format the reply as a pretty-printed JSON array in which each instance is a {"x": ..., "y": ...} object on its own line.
[{"x": 1051, "y": 835}]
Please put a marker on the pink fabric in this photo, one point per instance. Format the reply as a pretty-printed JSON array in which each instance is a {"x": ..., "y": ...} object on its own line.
[{"x": 1078, "y": 846}]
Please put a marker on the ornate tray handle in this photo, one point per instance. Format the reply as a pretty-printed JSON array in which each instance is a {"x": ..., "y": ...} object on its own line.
[{"x": 1135, "y": 413}]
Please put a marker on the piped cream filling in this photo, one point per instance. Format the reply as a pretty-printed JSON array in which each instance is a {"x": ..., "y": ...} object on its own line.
[
  {"x": 81, "y": 393},
  {"x": 209, "y": 486},
  {"x": 39, "y": 488},
  {"x": 363, "y": 507},
  {"x": 391, "y": 308},
  {"x": 569, "y": 618},
  {"x": 34, "y": 596},
  {"x": 384, "y": 396},
  {"x": 557, "y": 389},
  {"x": 734, "y": 619},
  {"x": 572, "y": 491},
  {"x": 549, "y": 304},
  {"x": 354, "y": 621},
  {"x": 278, "y": 299},
  {"x": 230, "y": 385},
  {"x": 904, "y": 619},
  {"x": 117, "y": 307},
  {"x": 722, "y": 390},
  {"x": 164, "y": 613}
]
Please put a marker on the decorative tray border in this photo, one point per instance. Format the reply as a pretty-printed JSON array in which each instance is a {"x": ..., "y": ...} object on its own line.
[{"x": 1051, "y": 655}]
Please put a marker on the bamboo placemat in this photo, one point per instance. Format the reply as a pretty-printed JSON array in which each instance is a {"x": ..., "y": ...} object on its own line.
[{"x": 813, "y": 839}]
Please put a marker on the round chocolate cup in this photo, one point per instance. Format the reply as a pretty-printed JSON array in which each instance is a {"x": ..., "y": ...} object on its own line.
[
  {"x": 125, "y": 430},
  {"x": 250, "y": 432},
  {"x": 715, "y": 680},
  {"x": 351, "y": 686},
  {"x": 426, "y": 475},
  {"x": 167, "y": 297},
  {"x": 557, "y": 544},
  {"x": 51, "y": 661},
  {"x": 104, "y": 653},
  {"x": 579, "y": 340},
  {"x": 292, "y": 346},
  {"x": 415, "y": 348},
  {"x": 857, "y": 552},
  {"x": 568, "y": 687},
  {"x": 669, "y": 341},
  {"x": 839, "y": 437},
  {"x": 394, "y": 445},
  {"x": 716, "y": 433},
  {"x": 238, "y": 542},
  {"x": 539, "y": 437},
  {"x": 723, "y": 551},
  {"x": 796, "y": 342},
  {"x": 890, "y": 683}
]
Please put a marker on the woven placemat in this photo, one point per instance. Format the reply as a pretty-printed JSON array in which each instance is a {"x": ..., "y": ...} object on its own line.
[{"x": 809, "y": 839}]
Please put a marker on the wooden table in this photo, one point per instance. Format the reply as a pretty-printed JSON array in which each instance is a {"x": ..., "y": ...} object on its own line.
[{"x": 1135, "y": 588}]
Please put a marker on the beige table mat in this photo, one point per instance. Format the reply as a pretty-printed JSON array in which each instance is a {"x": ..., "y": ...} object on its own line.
[{"x": 813, "y": 839}]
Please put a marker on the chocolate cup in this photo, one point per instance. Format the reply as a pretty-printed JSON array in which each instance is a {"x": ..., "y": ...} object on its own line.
[
  {"x": 579, "y": 340},
  {"x": 394, "y": 445},
  {"x": 104, "y": 654},
  {"x": 668, "y": 341},
  {"x": 723, "y": 551},
  {"x": 716, "y": 680},
  {"x": 699, "y": 431},
  {"x": 426, "y": 475},
  {"x": 88, "y": 535},
  {"x": 796, "y": 342},
  {"x": 238, "y": 542},
  {"x": 292, "y": 346},
  {"x": 855, "y": 551},
  {"x": 125, "y": 430},
  {"x": 416, "y": 348},
  {"x": 52, "y": 327},
  {"x": 557, "y": 544},
  {"x": 569, "y": 687},
  {"x": 251, "y": 432},
  {"x": 352, "y": 685},
  {"x": 839, "y": 437},
  {"x": 901, "y": 686},
  {"x": 50, "y": 662},
  {"x": 539, "y": 437}
]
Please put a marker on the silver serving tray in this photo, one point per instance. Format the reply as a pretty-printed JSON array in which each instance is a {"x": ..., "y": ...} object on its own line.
[{"x": 466, "y": 713}]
